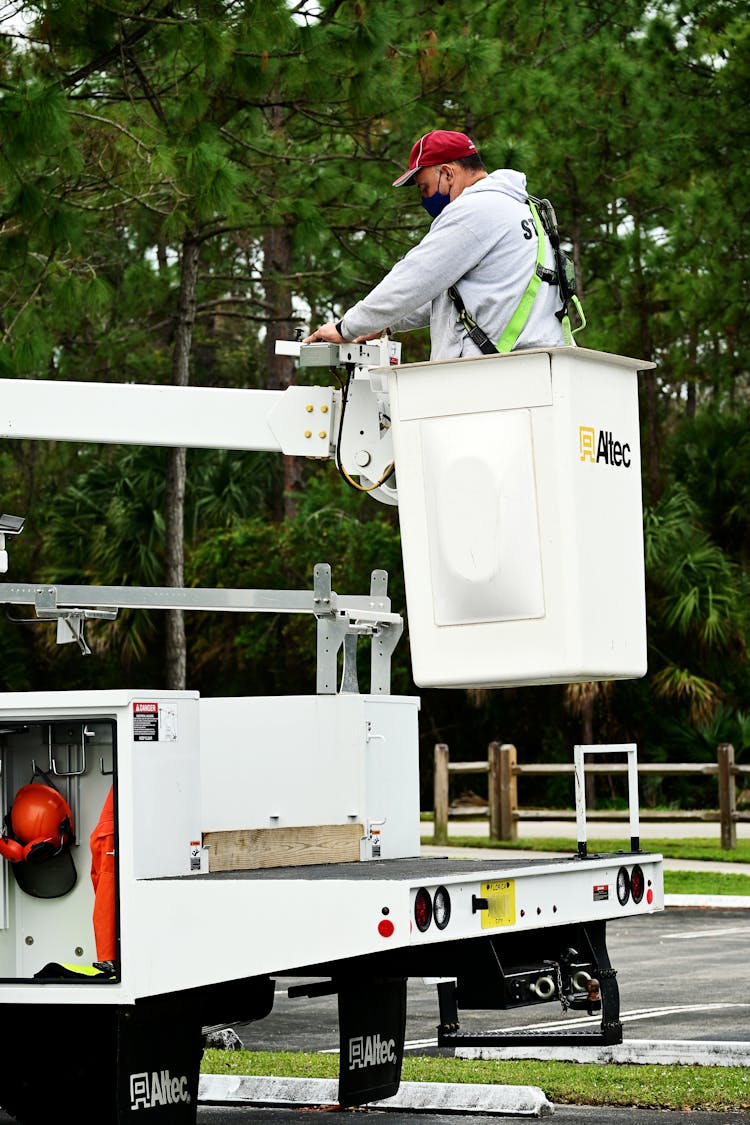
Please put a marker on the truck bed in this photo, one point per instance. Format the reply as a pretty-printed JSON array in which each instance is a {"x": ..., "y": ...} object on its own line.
[{"x": 424, "y": 869}]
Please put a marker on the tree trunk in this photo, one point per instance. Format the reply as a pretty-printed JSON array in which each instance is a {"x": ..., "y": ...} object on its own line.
[
  {"x": 587, "y": 738},
  {"x": 649, "y": 386},
  {"x": 174, "y": 522},
  {"x": 579, "y": 700},
  {"x": 690, "y": 401},
  {"x": 277, "y": 260}
]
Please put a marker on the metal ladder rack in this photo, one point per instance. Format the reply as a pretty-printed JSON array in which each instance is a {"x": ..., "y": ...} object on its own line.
[{"x": 341, "y": 619}]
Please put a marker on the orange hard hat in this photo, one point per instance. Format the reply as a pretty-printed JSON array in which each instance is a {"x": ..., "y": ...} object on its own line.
[
  {"x": 41, "y": 815},
  {"x": 37, "y": 840}
]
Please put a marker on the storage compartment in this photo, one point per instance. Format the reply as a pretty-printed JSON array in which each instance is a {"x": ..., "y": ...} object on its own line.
[
  {"x": 309, "y": 779},
  {"x": 81, "y": 745},
  {"x": 521, "y": 520},
  {"x": 76, "y": 758}
]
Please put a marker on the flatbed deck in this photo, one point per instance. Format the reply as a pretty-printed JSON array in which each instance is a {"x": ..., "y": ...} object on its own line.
[{"x": 426, "y": 868}]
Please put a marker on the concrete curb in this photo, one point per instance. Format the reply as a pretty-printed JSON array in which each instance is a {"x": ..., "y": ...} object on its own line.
[
  {"x": 709, "y": 902},
  {"x": 685, "y": 1052},
  {"x": 436, "y": 1097}
]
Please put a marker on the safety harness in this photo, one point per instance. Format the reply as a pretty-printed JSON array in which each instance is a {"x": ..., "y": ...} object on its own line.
[{"x": 563, "y": 276}]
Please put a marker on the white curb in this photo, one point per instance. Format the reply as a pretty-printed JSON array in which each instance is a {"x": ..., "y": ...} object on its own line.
[
  {"x": 453, "y": 1097},
  {"x": 725, "y": 902},
  {"x": 686, "y": 1052}
]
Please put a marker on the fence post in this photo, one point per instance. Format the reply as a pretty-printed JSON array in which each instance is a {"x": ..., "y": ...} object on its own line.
[
  {"x": 440, "y": 826},
  {"x": 493, "y": 789},
  {"x": 508, "y": 792},
  {"x": 727, "y": 795}
]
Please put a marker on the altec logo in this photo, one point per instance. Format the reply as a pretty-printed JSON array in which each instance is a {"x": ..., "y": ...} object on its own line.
[
  {"x": 157, "y": 1087},
  {"x": 370, "y": 1050},
  {"x": 601, "y": 446}
]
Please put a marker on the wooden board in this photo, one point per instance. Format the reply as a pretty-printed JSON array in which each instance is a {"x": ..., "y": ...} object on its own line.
[{"x": 243, "y": 849}]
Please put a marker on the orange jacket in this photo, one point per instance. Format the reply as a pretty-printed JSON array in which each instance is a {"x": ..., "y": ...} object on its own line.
[{"x": 102, "y": 842}]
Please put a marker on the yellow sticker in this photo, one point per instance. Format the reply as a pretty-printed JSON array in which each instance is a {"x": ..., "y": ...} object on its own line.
[{"x": 501, "y": 903}]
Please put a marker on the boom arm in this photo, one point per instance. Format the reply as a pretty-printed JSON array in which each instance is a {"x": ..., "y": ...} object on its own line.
[
  {"x": 144, "y": 414},
  {"x": 299, "y": 421}
]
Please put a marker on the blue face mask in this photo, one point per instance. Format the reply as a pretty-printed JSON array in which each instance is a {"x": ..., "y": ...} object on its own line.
[{"x": 434, "y": 204}]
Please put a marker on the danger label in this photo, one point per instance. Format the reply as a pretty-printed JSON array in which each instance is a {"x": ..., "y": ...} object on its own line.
[
  {"x": 154, "y": 722},
  {"x": 601, "y": 892}
]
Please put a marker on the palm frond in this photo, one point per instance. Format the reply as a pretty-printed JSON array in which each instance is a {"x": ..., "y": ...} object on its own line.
[{"x": 701, "y": 695}]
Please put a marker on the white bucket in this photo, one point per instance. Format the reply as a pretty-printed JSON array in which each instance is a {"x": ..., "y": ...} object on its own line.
[{"x": 519, "y": 486}]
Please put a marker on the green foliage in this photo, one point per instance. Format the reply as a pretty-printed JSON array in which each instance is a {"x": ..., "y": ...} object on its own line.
[
  {"x": 128, "y": 129},
  {"x": 280, "y": 656},
  {"x": 697, "y": 607},
  {"x": 698, "y": 741},
  {"x": 710, "y": 457},
  {"x": 34, "y": 120}
]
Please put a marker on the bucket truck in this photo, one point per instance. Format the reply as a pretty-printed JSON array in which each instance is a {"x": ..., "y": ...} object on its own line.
[{"x": 253, "y": 839}]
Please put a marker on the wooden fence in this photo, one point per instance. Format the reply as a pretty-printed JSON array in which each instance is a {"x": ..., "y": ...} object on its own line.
[{"x": 503, "y": 769}]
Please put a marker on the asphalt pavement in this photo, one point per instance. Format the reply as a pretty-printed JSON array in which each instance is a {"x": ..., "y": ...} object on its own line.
[{"x": 562, "y": 1114}]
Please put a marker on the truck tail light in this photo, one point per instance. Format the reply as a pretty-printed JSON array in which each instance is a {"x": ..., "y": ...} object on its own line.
[
  {"x": 422, "y": 909},
  {"x": 637, "y": 883},
  {"x": 441, "y": 908}
]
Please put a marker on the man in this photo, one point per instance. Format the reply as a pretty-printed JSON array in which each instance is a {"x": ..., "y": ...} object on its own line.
[{"x": 482, "y": 240}]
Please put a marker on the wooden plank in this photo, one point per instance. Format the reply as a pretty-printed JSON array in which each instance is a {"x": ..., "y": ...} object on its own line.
[
  {"x": 670, "y": 769},
  {"x": 622, "y": 814},
  {"x": 247, "y": 849},
  {"x": 468, "y": 767}
]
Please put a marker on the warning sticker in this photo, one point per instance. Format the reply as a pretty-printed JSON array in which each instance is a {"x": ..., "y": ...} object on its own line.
[
  {"x": 601, "y": 892},
  {"x": 145, "y": 722},
  {"x": 154, "y": 722},
  {"x": 195, "y": 855},
  {"x": 501, "y": 903}
]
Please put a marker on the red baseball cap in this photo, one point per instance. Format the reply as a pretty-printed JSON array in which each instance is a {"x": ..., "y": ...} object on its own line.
[{"x": 437, "y": 147}]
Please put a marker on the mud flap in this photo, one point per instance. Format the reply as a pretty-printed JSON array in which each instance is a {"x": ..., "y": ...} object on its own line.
[
  {"x": 159, "y": 1049},
  {"x": 372, "y": 1027},
  {"x": 110, "y": 1060}
]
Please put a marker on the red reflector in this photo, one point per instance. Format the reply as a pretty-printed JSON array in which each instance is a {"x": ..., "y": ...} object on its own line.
[
  {"x": 385, "y": 927},
  {"x": 649, "y": 896},
  {"x": 423, "y": 909}
]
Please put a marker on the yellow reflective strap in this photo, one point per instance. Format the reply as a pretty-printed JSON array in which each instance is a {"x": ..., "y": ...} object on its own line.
[{"x": 514, "y": 329}]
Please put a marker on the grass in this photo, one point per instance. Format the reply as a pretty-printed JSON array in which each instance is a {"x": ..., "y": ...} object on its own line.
[
  {"x": 706, "y": 883},
  {"x": 722, "y": 1089}
]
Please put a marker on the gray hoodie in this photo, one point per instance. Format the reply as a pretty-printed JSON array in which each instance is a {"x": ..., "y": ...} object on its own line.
[{"x": 484, "y": 242}]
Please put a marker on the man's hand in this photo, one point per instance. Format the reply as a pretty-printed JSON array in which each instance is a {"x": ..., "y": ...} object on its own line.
[
  {"x": 327, "y": 333},
  {"x": 370, "y": 336}
]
